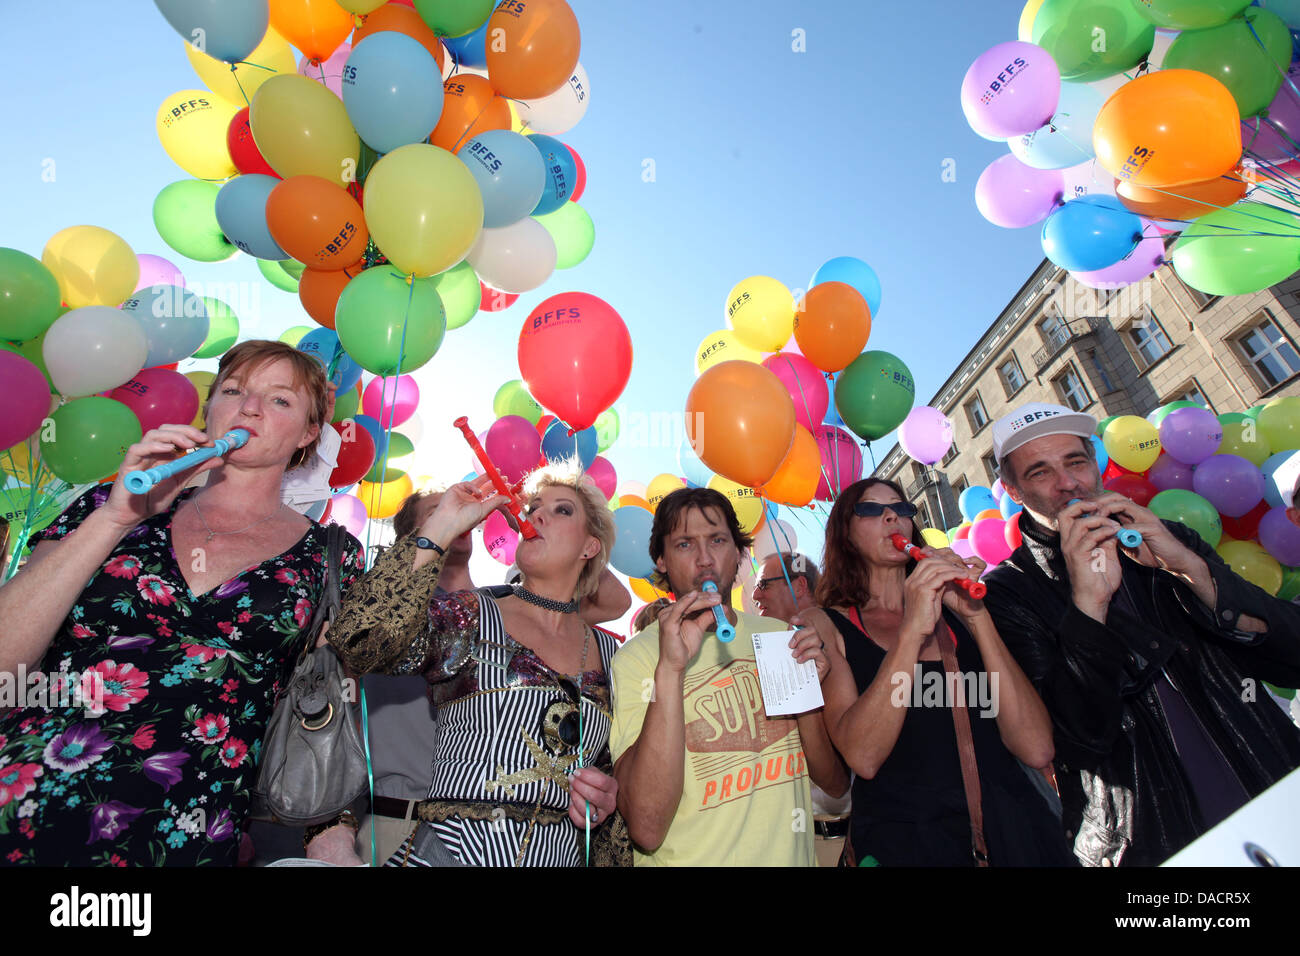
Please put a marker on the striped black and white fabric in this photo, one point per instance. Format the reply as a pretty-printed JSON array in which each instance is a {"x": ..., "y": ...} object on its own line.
[{"x": 490, "y": 747}]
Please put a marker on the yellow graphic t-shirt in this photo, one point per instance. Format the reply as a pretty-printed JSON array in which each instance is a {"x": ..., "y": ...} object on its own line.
[{"x": 746, "y": 797}]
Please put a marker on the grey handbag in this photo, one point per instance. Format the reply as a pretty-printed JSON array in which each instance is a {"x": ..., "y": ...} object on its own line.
[{"x": 313, "y": 762}]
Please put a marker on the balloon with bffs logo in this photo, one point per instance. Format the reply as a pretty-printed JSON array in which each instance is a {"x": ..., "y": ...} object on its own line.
[
  {"x": 392, "y": 90},
  {"x": 874, "y": 394},
  {"x": 510, "y": 173}
]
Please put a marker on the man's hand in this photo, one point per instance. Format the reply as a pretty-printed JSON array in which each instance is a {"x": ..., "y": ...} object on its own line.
[
  {"x": 682, "y": 628},
  {"x": 1167, "y": 551},
  {"x": 1091, "y": 554}
]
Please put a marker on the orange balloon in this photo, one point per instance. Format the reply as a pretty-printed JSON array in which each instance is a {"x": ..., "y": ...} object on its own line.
[
  {"x": 795, "y": 482},
  {"x": 1188, "y": 201},
  {"x": 636, "y": 501},
  {"x": 645, "y": 590},
  {"x": 832, "y": 325},
  {"x": 1168, "y": 128},
  {"x": 316, "y": 222},
  {"x": 988, "y": 513},
  {"x": 401, "y": 19},
  {"x": 316, "y": 27},
  {"x": 319, "y": 291},
  {"x": 536, "y": 50},
  {"x": 741, "y": 419},
  {"x": 469, "y": 106}
]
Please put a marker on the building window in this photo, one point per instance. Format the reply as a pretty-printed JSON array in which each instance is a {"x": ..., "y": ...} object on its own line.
[
  {"x": 960, "y": 485},
  {"x": 1202, "y": 300},
  {"x": 1269, "y": 352},
  {"x": 1013, "y": 380},
  {"x": 1054, "y": 330},
  {"x": 1070, "y": 387},
  {"x": 1100, "y": 368},
  {"x": 949, "y": 456},
  {"x": 1191, "y": 392},
  {"x": 976, "y": 415},
  {"x": 991, "y": 467},
  {"x": 1148, "y": 339}
]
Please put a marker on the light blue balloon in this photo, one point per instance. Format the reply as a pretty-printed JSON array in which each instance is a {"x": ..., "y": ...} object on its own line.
[
  {"x": 561, "y": 173},
  {"x": 975, "y": 499},
  {"x": 1099, "y": 449},
  {"x": 175, "y": 322},
  {"x": 832, "y": 413},
  {"x": 471, "y": 49},
  {"x": 380, "y": 436},
  {"x": 509, "y": 172},
  {"x": 1280, "y": 473},
  {"x": 1288, "y": 10},
  {"x": 631, "y": 552},
  {"x": 696, "y": 472},
  {"x": 852, "y": 272},
  {"x": 1090, "y": 233},
  {"x": 1009, "y": 507},
  {"x": 1067, "y": 139},
  {"x": 228, "y": 30},
  {"x": 392, "y": 90},
  {"x": 323, "y": 345},
  {"x": 241, "y": 214},
  {"x": 559, "y": 445}
]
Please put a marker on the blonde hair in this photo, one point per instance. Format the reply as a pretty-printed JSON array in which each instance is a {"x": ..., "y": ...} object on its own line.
[{"x": 600, "y": 521}]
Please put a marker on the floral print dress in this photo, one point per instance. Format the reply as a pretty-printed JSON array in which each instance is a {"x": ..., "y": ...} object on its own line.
[{"x": 158, "y": 701}]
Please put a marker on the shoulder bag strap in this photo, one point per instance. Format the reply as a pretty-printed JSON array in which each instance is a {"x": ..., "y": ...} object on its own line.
[
  {"x": 970, "y": 776},
  {"x": 331, "y": 597}
]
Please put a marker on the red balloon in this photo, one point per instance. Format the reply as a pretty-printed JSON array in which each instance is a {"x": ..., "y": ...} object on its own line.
[
  {"x": 580, "y": 177},
  {"x": 494, "y": 300},
  {"x": 544, "y": 423},
  {"x": 1114, "y": 471},
  {"x": 1012, "y": 531},
  {"x": 575, "y": 355},
  {"x": 1247, "y": 526},
  {"x": 356, "y": 454},
  {"x": 243, "y": 151},
  {"x": 324, "y": 518},
  {"x": 1134, "y": 487},
  {"x": 159, "y": 396},
  {"x": 962, "y": 532}
]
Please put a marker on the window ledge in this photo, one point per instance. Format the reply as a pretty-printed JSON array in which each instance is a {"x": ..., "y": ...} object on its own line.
[{"x": 1279, "y": 386}]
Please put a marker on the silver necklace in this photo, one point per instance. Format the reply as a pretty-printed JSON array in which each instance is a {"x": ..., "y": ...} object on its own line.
[{"x": 212, "y": 534}]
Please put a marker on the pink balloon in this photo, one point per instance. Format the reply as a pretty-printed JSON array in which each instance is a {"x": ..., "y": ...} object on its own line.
[
  {"x": 602, "y": 473},
  {"x": 155, "y": 270},
  {"x": 350, "y": 512},
  {"x": 499, "y": 538},
  {"x": 159, "y": 396},
  {"x": 27, "y": 398},
  {"x": 841, "y": 460},
  {"x": 1012, "y": 195},
  {"x": 1011, "y": 89},
  {"x": 390, "y": 398},
  {"x": 962, "y": 546},
  {"x": 328, "y": 73},
  {"x": 1138, "y": 264},
  {"x": 988, "y": 539},
  {"x": 806, "y": 384},
  {"x": 513, "y": 445}
]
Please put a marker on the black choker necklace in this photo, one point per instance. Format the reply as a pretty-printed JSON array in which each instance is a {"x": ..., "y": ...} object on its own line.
[{"x": 546, "y": 603}]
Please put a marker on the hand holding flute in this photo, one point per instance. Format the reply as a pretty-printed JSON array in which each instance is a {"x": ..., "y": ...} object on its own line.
[{"x": 159, "y": 447}]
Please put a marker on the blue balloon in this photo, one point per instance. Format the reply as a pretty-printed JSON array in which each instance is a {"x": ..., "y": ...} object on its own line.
[
  {"x": 241, "y": 214},
  {"x": 832, "y": 413},
  {"x": 1009, "y": 507},
  {"x": 471, "y": 49},
  {"x": 323, "y": 345},
  {"x": 509, "y": 172},
  {"x": 696, "y": 472},
  {"x": 1099, "y": 449},
  {"x": 1090, "y": 233},
  {"x": 377, "y": 433},
  {"x": 1067, "y": 139},
  {"x": 558, "y": 444},
  {"x": 228, "y": 30},
  {"x": 852, "y": 272},
  {"x": 175, "y": 322},
  {"x": 1280, "y": 471},
  {"x": 631, "y": 552},
  {"x": 392, "y": 90},
  {"x": 975, "y": 499},
  {"x": 561, "y": 173}
]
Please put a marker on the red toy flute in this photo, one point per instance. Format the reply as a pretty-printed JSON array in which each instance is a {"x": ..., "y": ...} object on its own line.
[
  {"x": 975, "y": 589},
  {"x": 526, "y": 529}
]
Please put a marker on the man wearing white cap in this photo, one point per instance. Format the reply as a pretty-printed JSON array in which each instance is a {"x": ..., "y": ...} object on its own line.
[{"x": 1148, "y": 658}]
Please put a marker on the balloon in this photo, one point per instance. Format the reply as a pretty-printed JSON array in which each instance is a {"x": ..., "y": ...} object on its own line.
[
  {"x": 328, "y": 72},
  {"x": 461, "y": 294},
  {"x": 1168, "y": 128},
  {"x": 29, "y": 297},
  {"x": 989, "y": 540},
  {"x": 470, "y": 107},
  {"x": 513, "y": 445},
  {"x": 747, "y": 504},
  {"x": 723, "y": 346},
  {"x": 223, "y": 329},
  {"x": 392, "y": 90},
  {"x": 92, "y": 349},
  {"x": 348, "y": 512},
  {"x": 237, "y": 82},
  {"x": 934, "y": 538},
  {"x": 1185, "y": 202},
  {"x": 852, "y": 272},
  {"x": 1010, "y": 90},
  {"x": 319, "y": 291},
  {"x": 515, "y": 258},
  {"x": 1190, "y": 509},
  {"x": 1279, "y": 423},
  {"x": 1090, "y": 233},
  {"x": 761, "y": 311},
  {"x": 1011, "y": 530},
  {"x": 1099, "y": 452},
  {"x": 1269, "y": 137},
  {"x": 275, "y": 275},
  {"x": 1246, "y": 441},
  {"x": 1134, "y": 487},
  {"x": 607, "y": 428},
  {"x": 88, "y": 438},
  {"x": 560, "y": 173},
  {"x": 1132, "y": 443},
  {"x": 798, "y": 477},
  {"x": 1247, "y": 526},
  {"x": 1245, "y": 248},
  {"x": 1190, "y": 434},
  {"x": 575, "y": 355},
  {"x": 1190, "y": 14},
  {"x": 302, "y": 129},
  {"x": 601, "y": 472},
  {"x": 383, "y": 501},
  {"x": 158, "y": 397},
  {"x": 391, "y": 400},
  {"x": 243, "y": 149},
  {"x": 191, "y": 126},
  {"x": 1248, "y": 54},
  {"x": 1233, "y": 485},
  {"x": 1087, "y": 179},
  {"x": 580, "y": 178},
  {"x": 91, "y": 265},
  {"x": 513, "y": 399},
  {"x": 777, "y": 536},
  {"x": 631, "y": 552},
  {"x": 494, "y": 300},
  {"x": 293, "y": 336},
  {"x": 1069, "y": 30},
  {"x": 241, "y": 210},
  {"x": 832, "y": 325},
  {"x": 841, "y": 461},
  {"x": 534, "y": 48},
  {"x": 510, "y": 174},
  {"x": 558, "y": 112},
  {"x": 660, "y": 487},
  {"x": 1252, "y": 562},
  {"x": 317, "y": 222},
  {"x": 399, "y": 17},
  {"x": 455, "y": 18},
  {"x": 174, "y": 322},
  {"x": 1012, "y": 195},
  {"x": 559, "y": 445},
  {"x": 356, "y": 455},
  {"x": 741, "y": 420},
  {"x": 1280, "y": 537},
  {"x": 806, "y": 385},
  {"x": 316, "y": 27},
  {"x": 378, "y": 435},
  {"x": 975, "y": 499},
  {"x": 423, "y": 208},
  {"x": 184, "y": 214},
  {"x": 926, "y": 434},
  {"x": 500, "y": 540},
  {"x": 696, "y": 472},
  {"x": 572, "y": 231},
  {"x": 874, "y": 394},
  {"x": 1146, "y": 258},
  {"x": 1067, "y": 140},
  {"x": 27, "y": 399},
  {"x": 229, "y": 30},
  {"x": 388, "y": 324},
  {"x": 155, "y": 270},
  {"x": 1008, "y": 507}
]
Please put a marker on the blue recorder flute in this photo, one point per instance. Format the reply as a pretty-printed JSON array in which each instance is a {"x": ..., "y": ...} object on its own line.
[
  {"x": 1129, "y": 537},
  {"x": 138, "y": 482},
  {"x": 725, "y": 631}
]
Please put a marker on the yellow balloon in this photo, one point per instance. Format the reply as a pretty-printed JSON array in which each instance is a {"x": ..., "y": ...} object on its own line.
[
  {"x": 1245, "y": 440},
  {"x": 934, "y": 538},
  {"x": 92, "y": 265},
  {"x": 23, "y": 462},
  {"x": 192, "y": 128},
  {"x": 1026, "y": 32},
  {"x": 661, "y": 487},
  {"x": 382, "y": 501},
  {"x": 423, "y": 207},
  {"x": 645, "y": 590},
  {"x": 1279, "y": 423},
  {"x": 723, "y": 346},
  {"x": 745, "y": 501},
  {"x": 203, "y": 385},
  {"x": 1252, "y": 562},
  {"x": 761, "y": 310},
  {"x": 1132, "y": 442},
  {"x": 302, "y": 129},
  {"x": 272, "y": 56}
]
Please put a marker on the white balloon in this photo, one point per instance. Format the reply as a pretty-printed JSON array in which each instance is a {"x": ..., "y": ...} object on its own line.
[
  {"x": 515, "y": 258},
  {"x": 93, "y": 349},
  {"x": 1087, "y": 179},
  {"x": 772, "y": 540},
  {"x": 413, "y": 428},
  {"x": 560, "y": 111}
]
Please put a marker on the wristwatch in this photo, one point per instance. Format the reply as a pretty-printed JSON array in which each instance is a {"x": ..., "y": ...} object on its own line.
[{"x": 427, "y": 545}]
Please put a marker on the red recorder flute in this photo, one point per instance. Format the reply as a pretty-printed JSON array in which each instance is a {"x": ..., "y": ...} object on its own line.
[
  {"x": 976, "y": 589},
  {"x": 526, "y": 529}
]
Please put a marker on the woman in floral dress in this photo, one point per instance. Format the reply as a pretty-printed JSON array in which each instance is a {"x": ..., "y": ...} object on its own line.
[{"x": 137, "y": 741}]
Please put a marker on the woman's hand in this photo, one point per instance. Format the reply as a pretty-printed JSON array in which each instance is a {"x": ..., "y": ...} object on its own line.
[
  {"x": 923, "y": 596},
  {"x": 160, "y": 445},
  {"x": 955, "y": 597},
  {"x": 461, "y": 508},
  {"x": 588, "y": 787}
]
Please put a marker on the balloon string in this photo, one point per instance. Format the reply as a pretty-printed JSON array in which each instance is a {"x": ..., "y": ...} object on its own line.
[
  {"x": 235, "y": 75},
  {"x": 938, "y": 494},
  {"x": 821, "y": 467},
  {"x": 789, "y": 549}
]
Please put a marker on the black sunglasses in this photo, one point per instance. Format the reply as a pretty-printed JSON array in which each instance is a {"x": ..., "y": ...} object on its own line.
[{"x": 874, "y": 509}]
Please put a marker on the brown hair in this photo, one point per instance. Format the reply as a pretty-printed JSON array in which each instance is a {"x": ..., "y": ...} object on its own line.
[
  {"x": 649, "y": 614},
  {"x": 404, "y": 522},
  {"x": 845, "y": 577},
  {"x": 672, "y": 506}
]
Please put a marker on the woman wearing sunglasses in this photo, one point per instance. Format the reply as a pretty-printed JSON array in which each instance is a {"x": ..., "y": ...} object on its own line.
[
  {"x": 890, "y": 700},
  {"x": 520, "y": 682}
]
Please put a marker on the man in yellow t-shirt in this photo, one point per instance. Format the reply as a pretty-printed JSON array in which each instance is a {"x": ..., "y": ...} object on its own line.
[{"x": 705, "y": 777}]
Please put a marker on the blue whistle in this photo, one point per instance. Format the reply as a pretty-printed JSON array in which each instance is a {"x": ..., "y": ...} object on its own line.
[
  {"x": 1129, "y": 537},
  {"x": 725, "y": 631},
  {"x": 138, "y": 482}
]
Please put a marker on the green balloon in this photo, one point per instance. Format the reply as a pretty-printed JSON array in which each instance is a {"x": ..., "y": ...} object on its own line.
[
  {"x": 29, "y": 296},
  {"x": 185, "y": 216},
  {"x": 399, "y": 446},
  {"x": 273, "y": 274},
  {"x": 874, "y": 394},
  {"x": 1101, "y": 425},
  {"x": 223, "y": 329},
  {"x": 1231, "y": 418},
  {"x": 460, "y": 292},
  {"x": 1158, "y": 416},
  {"x": 607, "y": 426},
  {"x": 28, "y": 509},
  {"x": 1189, "y": 508},
  {"x": 454, "y": 18},
  {"x": 33, "y": 351},
  {"x": 1245, "y": 440},
  {"x": 1224, "y": 253},
  {"x": 512, "y": 398},
  {"x": 89, "y": 438},
  {"x": 1253, "y": 413},
  {"x": 383, "y": 471},
  {"x": 291, "y": 267},
  {"x": 1232, "y": 55},
  {"x": 573, "y": 231},
  {"x": 1093, "y": 39},
  {"x": 294, "y": 335},
  {"x": 1286, "y": 693},
  {"x": 345, "y": 406},
  {"x": 376, "y": 308},
  {"x": 1189, "y": 14}
]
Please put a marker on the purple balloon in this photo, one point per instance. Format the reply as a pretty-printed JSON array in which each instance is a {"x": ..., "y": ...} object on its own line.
[
  {"x": 1280, "y": 537},
  {"x": 1146, "y": 258},
  {"x": 1010, "y": 90},
  {"x": 1271, "y": 139},
  {"x": 1168, "y": 472},
  {"x": 1230, "y": 483},
  {"x": 155, "y": 270},
  {"x": 997, "y": 490},
  {"x": 350, "y": 512},
  {"x": 328, "y": 73},
  {"x": 514, "y": 446},
  {"x": 963, "y": 547},
  {"x": 926, "y": 434},
  {"x": 1191, "y": 434},
  {"x": 1012, "y": 195}
]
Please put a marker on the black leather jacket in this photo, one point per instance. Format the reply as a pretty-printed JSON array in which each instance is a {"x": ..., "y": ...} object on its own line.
[{"x": 1125, "y": 796}]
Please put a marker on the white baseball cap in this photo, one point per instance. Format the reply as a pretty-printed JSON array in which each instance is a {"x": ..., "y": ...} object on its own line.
[{"x": 1036, "y": 420}]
